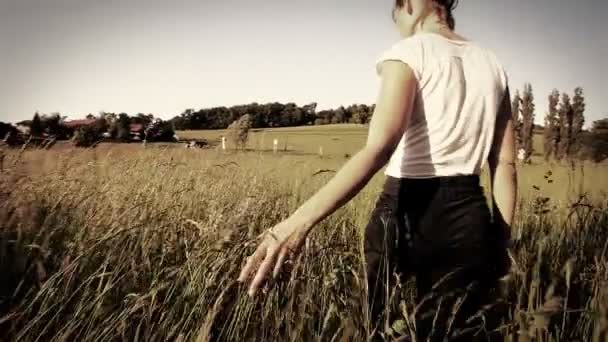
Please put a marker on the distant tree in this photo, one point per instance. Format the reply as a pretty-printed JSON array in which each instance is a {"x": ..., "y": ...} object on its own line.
[
  {"x": 166, "y": 132},
  {"x": 36, "y": 128},
  {"x": 112, "y": 127},
  {"x": 527, "y": 114},
  {"x": 182, "y": 122},
  {"x": 324, "y": 117},
  {"x": 143, "y": 119},
  {"x": 275, "y": 113},
  {"x": 339, "y": 116},
  {"x": 517, "y": 123},
  {"x": 258, "y": 113},
  {"x": 123, "y": 130},
  {"x": 578, "y": 120},
  {"x": 548, "y": 138},
  {"x": 106, "y": 122},
  {"x": 160, "y": 131},
  {"x": 7, "y": 128},
  {"x": 87, "y": 136},
  {"x": 102, "y": 125},
  {"x": 9, "y": 135},
  {"x": 53, "y": 125},
  {"x": 551, "y": 129},
  {"x": 109, "y": 117},
  {"x": 287, "y": 117},
  {"x": 348, "y": 112},
  {"x": 594, "y": 144},
  {"x": 309, "y": 112},
  {"x": 90, "y": 135},
  {"x": 354, "y": 113},
  {"x": 565, "y": 127},
  {"x": 358, "y": 114},
  {"x": 298, "y": 117},
  {"x": 269, "y": 115},
  {"x": 238, "y": 131}
]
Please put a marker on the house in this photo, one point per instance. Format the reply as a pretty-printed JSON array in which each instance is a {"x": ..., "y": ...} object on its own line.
[
  {"x": 23, "y": 129},
  {"x": 76, "y": 124},
  {"x": 137, "y": 131}
]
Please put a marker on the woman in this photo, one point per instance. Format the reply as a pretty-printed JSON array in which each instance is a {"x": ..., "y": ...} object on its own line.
[{"x": 442, "y": 112}]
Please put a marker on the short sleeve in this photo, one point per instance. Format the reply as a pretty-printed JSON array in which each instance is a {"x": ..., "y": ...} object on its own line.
[
  {"x": 505, "y": 78},
  {"x": 501, "y": 71},
  {"x": 408, "y": 51}
]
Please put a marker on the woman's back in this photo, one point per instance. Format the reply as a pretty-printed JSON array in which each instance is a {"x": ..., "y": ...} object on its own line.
[{"x": 461, "y": 86}]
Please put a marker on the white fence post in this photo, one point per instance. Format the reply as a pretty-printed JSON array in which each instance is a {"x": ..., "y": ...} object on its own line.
[
  {"x": 275, "y": 145},
  {"x": 224, "y": 143},
  {"x": 521, "y": 155}
]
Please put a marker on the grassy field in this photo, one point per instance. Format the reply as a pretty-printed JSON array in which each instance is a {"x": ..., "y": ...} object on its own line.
[
  {"x": 126, "y": 243},
  {"x": 339, "y": 142}
]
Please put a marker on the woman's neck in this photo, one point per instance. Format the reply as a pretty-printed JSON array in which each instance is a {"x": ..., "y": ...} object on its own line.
[{"x": 438, "y": 27}]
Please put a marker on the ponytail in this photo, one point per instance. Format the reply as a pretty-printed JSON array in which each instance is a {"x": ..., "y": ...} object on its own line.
[{"x": 447, "y": 5}]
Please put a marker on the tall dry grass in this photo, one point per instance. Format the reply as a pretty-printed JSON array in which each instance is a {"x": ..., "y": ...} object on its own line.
[{"x": 133, "y": 244}]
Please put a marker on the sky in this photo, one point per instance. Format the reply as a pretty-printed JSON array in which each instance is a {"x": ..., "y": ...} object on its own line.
[{"x": 162, "y": 57}]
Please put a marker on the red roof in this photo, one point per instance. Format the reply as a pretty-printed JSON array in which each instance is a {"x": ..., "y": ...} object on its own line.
[
  {"x": 79, "y": 123},
  {"x": 135, "y": 127}
]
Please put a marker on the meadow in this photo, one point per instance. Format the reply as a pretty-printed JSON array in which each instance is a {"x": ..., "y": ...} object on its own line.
[{"x": 131, "y": 243}]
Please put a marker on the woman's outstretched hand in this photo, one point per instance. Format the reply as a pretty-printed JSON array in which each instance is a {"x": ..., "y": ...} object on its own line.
[{"x": 279, "y": 243}]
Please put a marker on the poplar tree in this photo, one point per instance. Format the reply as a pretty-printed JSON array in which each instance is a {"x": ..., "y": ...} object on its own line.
[
  {"x": 578, "y": 120},
  {"x": 551, "y": 130},
  {"x": 565, "y": 127},
  {"x": 527, "y": 118}
]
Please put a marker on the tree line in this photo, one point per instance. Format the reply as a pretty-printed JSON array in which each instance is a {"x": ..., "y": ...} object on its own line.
[
  {"x": 271, "y": 115},
  {"x": 105, "y": 126},
  {"x": 563, "y": 135}
]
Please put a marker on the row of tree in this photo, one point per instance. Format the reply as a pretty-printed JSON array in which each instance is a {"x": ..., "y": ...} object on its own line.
[
  {"x": 49, "y": 125},
  {"x": 108, "y": 126},
  {"x": 271, "y": 115},
  {"x": 563, "y": 134},
  {"x": 595, "y": 141}
]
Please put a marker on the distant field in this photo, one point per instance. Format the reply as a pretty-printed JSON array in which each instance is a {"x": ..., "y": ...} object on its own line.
[
  {"x": 335, "y": 139},
  {"x": 341, "y": 141}
]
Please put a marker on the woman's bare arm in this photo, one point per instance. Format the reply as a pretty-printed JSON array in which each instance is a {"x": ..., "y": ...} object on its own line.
[
  {"x": 502, "y": 167},
  {"x": 389, "y": 120}
]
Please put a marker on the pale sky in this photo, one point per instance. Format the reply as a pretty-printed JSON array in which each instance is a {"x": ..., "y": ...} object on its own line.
[{"x": 162, "y": 57}]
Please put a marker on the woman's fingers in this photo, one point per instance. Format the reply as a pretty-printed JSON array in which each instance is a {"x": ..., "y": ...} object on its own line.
[
  {"x": 252, "y": 261},
  {"x": 275, "y": 249},
  {"x": 263, "y": 271},
  {"x": 279, "y": 263}
]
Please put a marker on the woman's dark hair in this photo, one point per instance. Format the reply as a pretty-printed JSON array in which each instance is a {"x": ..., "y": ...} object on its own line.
[{"x": 448, "y": 5}]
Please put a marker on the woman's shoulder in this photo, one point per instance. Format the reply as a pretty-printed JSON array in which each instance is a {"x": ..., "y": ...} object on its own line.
[
  {"x": 407, "y": 50},
  {"x": 412, "y": 42},
  {"x": 498, "y": 65}
]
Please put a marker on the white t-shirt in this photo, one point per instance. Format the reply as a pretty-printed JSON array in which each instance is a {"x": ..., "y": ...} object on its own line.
[{"x": 460, "y": 87}]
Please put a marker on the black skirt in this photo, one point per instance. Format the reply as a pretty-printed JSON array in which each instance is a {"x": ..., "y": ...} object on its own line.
[{"x": 440, "y": 231}]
